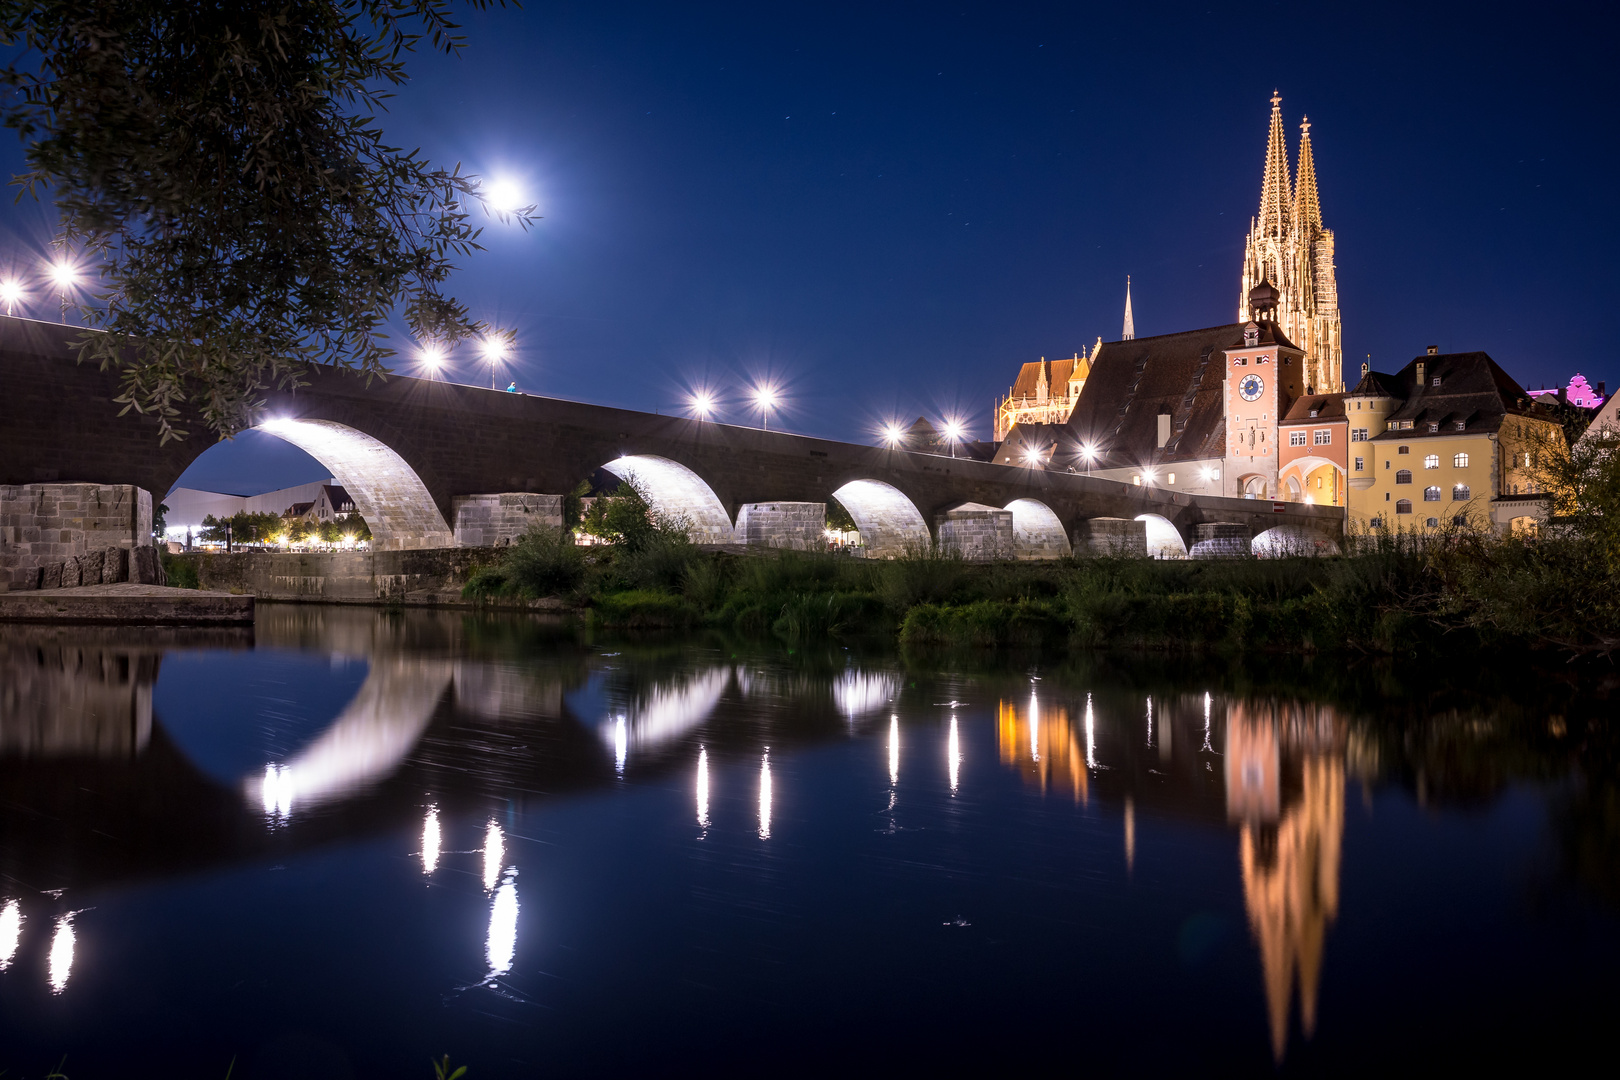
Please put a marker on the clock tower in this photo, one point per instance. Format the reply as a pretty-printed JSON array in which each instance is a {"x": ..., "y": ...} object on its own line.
[{"x": 1263, "y": 377}]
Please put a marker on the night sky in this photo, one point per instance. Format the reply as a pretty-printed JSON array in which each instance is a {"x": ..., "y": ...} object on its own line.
[{"x": 885, "y": 208}]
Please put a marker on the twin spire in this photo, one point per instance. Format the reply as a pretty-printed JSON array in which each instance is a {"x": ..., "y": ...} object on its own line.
[{"x": 1285, "y": 205}]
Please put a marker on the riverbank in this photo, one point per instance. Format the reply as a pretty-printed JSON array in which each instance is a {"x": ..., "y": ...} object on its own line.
[{"x": 127, "y": 603}]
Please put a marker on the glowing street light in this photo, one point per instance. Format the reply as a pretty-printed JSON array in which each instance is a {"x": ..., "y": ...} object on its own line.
[
  {"x": 893, "y": 434},
  {"x": 10, "y": 292},
  {"x": 432, "y": 359},
  {"x": 1088, "y": 452},
  {"x": 765, "y": 398},
  {"x": 953, "y": 432},
  {"x": 1032, "y": 457},
  {"x": 65, "y": 277},
  {"x": 494, "y": 350},
  {"x": 702, "y": 404}
]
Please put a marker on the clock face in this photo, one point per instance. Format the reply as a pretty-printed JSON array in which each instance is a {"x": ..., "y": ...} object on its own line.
[{"x": 1251, "y": 387}]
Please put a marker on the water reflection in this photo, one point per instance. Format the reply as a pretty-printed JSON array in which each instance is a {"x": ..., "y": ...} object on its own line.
[
  {"x": 859, "y": 693},
  {"x": 662, "y": 710},
  {"x": 1023, "y": 730},
  {"x": 61, "y": 958},
  {"x": 494, "y": 855},
  {"x": 765, "y": 796},
  {"x": 894, "y": 751},
  {"x": 10, "y": 932},
  {"x": 953, "y": 755},
  {"x": 430, "y": 841},
  {"x": 501, "y": 945},
  {"x": 703, "y": 789}
]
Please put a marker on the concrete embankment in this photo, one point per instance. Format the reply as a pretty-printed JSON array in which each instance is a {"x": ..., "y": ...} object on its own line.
[
  {"x": 429, "y": 576},
  {"x": 126, "y": 602}
]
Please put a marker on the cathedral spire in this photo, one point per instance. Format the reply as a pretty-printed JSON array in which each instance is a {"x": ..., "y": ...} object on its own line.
[
  {"x": 1276, "y": 193},
  {"x": 1307, "y": 204},
  {"x": 1130, "y": 324}
]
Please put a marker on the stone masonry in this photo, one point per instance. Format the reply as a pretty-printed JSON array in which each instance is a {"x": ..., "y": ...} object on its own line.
[
  {"x": 1111, "y": 536},
  {"x": 976, "y": 532},
  {"x": 797, "y": 525},
  {"x": 499, "y": 520},
  {"x": 65, "y": 535}
]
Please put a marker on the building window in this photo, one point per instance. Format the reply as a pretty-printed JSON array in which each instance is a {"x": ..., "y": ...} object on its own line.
[
  {"x": 1433, "y": 523},
  {"x": 1403, "y": 506},
  {"x": 1431, "y": 494},
  {"x": 1386, "y": 496},
  {"x": 1378, "y": 523},
  {"x": 1358, "y": 435},
  {"x": 1460, "y": 520},
  {"x": 1403, "y": 449},
  {"x": 1459, "y": 493},
  {"x": 1431, "y": 461},
  {"x": 1296, "y": 438},
  {"x": 1361, "y": 464},
  {"x": 1323, "y": 438},
  {"x": 1137, "y": 480},
  {"x": 1460, "y": 461},
  {"x": 1170, "y": 479},
  {"x": 1436, "y": 381},
  {"x": 1403, "y": 476},
  {"x": 1434, "y": 425}
]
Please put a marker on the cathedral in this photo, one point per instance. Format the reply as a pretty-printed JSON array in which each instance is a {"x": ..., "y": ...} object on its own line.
[{"x": 1288, "y": 247}]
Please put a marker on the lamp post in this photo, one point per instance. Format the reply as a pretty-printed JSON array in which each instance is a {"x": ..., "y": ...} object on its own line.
[
  {"x": 953, "y": 432},
  {"x": 1088, "y": 452},
  {"x": 10, "y": 292},
  {"x": 893, "y": 434},
  {"x": 494, "y": 352},
  {"x": 66, "y": 278},
  {"x": 702, "y": 405},
  {"x": 765, "y": 397}
]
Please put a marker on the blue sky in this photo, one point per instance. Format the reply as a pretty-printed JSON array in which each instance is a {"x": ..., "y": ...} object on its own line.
[{"x": 885, "y": 208}]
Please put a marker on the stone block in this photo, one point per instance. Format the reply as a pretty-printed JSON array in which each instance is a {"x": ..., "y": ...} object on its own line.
[
  {"x": 1220, "y": 540},
  {"x": 90, "y": 568},
  {"x": 115, "y": 566},
  {"x": 143, "y": 565},
  {"x": 797, "y": 525},
  {"x": 500, "y": 519},
  {"x": 50, "y": 576},
  {"x": 1111, "y": 536},
  {"x": 976, "y": 532},
  {"x": 70, "y": 573}
]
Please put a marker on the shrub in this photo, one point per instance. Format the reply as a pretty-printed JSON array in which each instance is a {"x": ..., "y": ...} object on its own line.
[{"x": 643, "y": 608}]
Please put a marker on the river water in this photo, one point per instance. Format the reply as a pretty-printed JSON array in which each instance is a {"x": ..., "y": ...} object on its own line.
[{"x": 350, "y": 841}]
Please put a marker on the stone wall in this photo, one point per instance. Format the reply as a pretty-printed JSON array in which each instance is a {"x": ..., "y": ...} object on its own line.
[
  {"x": 64, "y": 535},
  {"x": 338, "y": 576},
  {"x": 1220, "y": 540},
  {"x": 1111, "y": 536},
  {"x": 797, "y": 525},
  {"x": 71, "y": 699},
  {"x": 498, "y": 520},
  {"x": 976, "y": 532}
]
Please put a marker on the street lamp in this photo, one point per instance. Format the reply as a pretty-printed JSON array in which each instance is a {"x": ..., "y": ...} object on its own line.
[
  {"x": 66, "y": 277},
  {"x": 702, "y": 404},
  {"x": 10, "y": 292},
  {"x": 432, "y": 359},
  {"x": 1032, "y": 457},
  {"x": 765, "y": 398},
  {"x": 494, "y": 349},
  {"x": 1088, "y": 452},
  {"x": 953, "y": 432},
  {"x": 893, "y": 434}
]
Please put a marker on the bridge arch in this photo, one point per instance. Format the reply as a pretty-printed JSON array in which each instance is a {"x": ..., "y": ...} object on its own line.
[
  {"x": 1163, "y": 539},
  {"x": 386, "y": 490},
  {"x": 1285, "y": 540},
  {"x": 674, "y": 491},
  {"x": 890, "y": 524},
  {"x": 1037, "y": 531}
]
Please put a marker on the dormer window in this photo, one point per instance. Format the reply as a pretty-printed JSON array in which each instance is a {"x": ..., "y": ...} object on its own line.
[
  {"x": 1434, "y": 425},
  {"x": 1436, "y": 381},
  {"x": 1462, "y": 425},
  {"x": 1316, "y": 412}
]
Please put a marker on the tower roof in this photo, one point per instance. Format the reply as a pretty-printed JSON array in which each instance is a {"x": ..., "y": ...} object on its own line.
[
  {"x": 1307, "y": 204},
  {"x": 1130, "y": 324},
  {"x": 1276, "y": 194}
]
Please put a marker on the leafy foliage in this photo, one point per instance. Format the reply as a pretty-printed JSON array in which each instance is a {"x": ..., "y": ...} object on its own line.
[
  {"x": 220, "y": 166},
  {"x": 244, "y": 528}
]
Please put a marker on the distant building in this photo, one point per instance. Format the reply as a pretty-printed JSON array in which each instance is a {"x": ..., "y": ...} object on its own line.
[
  {"x": 1578, "y": 392},
  {"x": 1043, "y": 393},
  {"x": 188, "y": 506},
  {"x": 331, "y": 503},
  {"x": 1313, "y": 443},
  {"x": 1448, "y": 438}
]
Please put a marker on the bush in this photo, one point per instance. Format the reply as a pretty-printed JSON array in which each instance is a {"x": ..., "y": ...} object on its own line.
[
  {"x": 643, "y": 608},
  {"x": 544, "y": 562}
]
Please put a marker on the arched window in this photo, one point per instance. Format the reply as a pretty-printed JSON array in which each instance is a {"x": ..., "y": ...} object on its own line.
[
  {"x": 1431, "y": 494},
  {"x": 1459, "y": 493},
  {"x": 1403, "y": 506},
  {"x": 1403, "y": 449},
  {"x": 1460, "y": 461},
  {"x": 1403, "y": 476},
  {"x": 1432, "y": 461}
]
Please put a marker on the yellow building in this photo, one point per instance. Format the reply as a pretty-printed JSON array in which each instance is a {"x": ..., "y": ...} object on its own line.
[{"x": 1448, "y": 439}]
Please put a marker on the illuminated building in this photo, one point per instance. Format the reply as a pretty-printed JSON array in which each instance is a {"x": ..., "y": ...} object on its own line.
[
  {"x": 1044, "y": 393},
  {"x": 1041, "y": 744}
]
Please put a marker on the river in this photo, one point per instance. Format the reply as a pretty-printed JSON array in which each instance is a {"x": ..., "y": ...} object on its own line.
[{"x": 350, "y": 841}]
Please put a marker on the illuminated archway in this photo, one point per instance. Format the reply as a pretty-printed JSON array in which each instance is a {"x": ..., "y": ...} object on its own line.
[
  {"x": 1163, "y": 539},
  {"x": 386, "y": 490},
  {"x": 1037, "y": 532},
  {"x": 1285, "y": 540},
  {"x": 890, "y": 525},
  {"x": 676, "y": 492},
  {"x": 1252, "y": 487}
]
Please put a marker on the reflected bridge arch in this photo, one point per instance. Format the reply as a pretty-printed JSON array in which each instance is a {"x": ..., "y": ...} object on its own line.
[
  {"x": 386, "y": 491},
  {"x": 890, "y": 524},
  {"x": 676, "y": 492}
]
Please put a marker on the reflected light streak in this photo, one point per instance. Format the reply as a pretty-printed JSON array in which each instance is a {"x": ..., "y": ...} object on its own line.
[
  {"x": 857, "y": 692},
  {"x": 1034, "y": 728},
  {"x": 953, "y": 756},
  {"x": 277, "y": 792},
  {"x": 61, "y": 961},
  {"x": 621, "y": 744},
  {"x": 1206, "y": 745},
  {"x": 765, "y": 797},
  {"x": 430, "y": 840},
  {"x": 502, "y": 943},
  {"x": 894, "y": 749},
  {"x": 1150, "y": 721},
  {"x": 1091, "y": 735},
  {"x": 10, "y": 932},
  {"x": 494, "y": 854},
  {"x": 703, "y": 789}
]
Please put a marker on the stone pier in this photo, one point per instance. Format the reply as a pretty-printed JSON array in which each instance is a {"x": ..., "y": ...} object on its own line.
[
  {"x": 67, "y": 535},
  {"x": 976, "y": 532},
  {"x": 797, "y": 525},
  {"x": 1111, "y": 536},
  {"x": 499, "y": 520}
]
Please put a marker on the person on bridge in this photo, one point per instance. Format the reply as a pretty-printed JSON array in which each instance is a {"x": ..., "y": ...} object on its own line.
[{"x": 512, "y": 388}]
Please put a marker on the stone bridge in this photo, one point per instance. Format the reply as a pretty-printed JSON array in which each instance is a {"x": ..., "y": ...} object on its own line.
[{"x": 432, "y": 464}]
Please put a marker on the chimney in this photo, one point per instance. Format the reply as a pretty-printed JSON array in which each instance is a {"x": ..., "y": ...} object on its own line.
[
  {"x": 1434, "y": 350},
  {"x": 1420, "y": 366}
]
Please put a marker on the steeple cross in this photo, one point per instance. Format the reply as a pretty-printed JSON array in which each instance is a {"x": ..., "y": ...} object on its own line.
[
  {"x": 1276, "y": 99},
  {"x": 1305, "y": 125}
]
